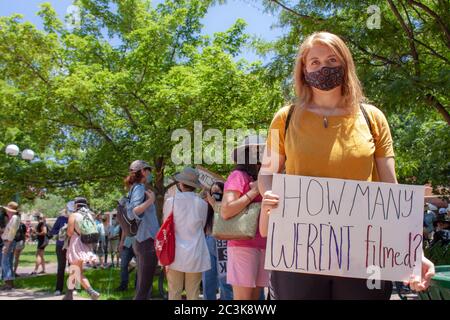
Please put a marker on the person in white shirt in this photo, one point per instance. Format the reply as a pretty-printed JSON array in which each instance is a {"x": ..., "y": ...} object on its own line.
[
  {"x": 191, "y": 251},
  {"x": 9, "y": 245}
]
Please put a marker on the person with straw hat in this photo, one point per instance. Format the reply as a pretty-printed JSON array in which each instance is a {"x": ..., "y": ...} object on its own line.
[
  {"x": 9, "y": 245},
  {"x": 245, "y": 266},
  {"x": 191, "y": 252}
]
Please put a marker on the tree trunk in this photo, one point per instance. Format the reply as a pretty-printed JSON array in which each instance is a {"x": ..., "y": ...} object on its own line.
[
  {"x": 434, "y": 102},
  {"x": 159, "y": 186}
]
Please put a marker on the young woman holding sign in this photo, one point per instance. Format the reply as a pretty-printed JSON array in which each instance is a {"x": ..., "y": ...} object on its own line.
[{"x": 329, "y": 132}]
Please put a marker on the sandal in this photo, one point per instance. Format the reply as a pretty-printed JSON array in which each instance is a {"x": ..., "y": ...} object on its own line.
[{"x": 42, "y": 272}]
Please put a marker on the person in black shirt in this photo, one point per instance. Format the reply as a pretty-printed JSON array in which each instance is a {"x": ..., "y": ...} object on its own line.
[{"x": 42, "y": 238}]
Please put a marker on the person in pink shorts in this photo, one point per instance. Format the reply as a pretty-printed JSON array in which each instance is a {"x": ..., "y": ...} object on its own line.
[{"x": 245, "y": 269}]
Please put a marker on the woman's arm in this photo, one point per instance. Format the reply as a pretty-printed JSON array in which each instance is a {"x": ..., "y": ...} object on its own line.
[
  {"x": 210, "y": 199},
  {"x": 138, "y": 202},
  {"x": 386, "y": 173},
  {"x": 233, "y": 203},
  {"x": 71, "y": 225},
  {"x": 43, "y": 231},
  {"x": 386, "y": 169},
  {"x": 139, "y": 210},
  {"x": 270, "y": 200}
]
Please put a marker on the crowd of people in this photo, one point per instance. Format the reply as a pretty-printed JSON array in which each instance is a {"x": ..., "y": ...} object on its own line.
[
  {"x": 15, "y": 234},
  {"x": 436, "y": 224},
  {"x": 328, "y": 132}
]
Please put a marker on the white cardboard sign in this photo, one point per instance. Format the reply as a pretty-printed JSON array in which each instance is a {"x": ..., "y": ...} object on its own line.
[
  {"x": 347, "y": 228},
  {"x": 208, "y": 178}
]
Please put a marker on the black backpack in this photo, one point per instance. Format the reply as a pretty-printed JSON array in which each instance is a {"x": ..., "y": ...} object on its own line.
[
  {"x": 128, "y": 226},
  {"x": 49, "y": 232},
  {"x": 21, "y": 233},
  {"x": 3, "y": 219}
]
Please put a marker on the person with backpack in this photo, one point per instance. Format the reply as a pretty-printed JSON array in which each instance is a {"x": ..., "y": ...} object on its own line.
[
  {"x": 141, "y": 210},
  {"x": 12, "y": 217},
  {"x": 60, "y": 223},
  {"x": 20, "y": 245},
  {"x": 42, "y": 233},
  {"x": 191, "y": 251},
  {"x": 328, "y": 132},
  {"x": 83, "y": 234}
]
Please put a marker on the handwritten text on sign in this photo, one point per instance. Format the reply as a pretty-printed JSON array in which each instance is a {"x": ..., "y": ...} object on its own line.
[{"x": 343, "y": 227}]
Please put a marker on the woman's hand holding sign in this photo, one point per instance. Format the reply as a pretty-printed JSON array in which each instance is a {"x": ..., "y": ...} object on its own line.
[
  {"x": 270, "y": 201},
  {"x": 417, "y": 284}
]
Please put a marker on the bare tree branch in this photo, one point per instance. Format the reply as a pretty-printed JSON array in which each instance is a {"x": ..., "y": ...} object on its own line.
[
  {"x": 410, "y": 34},
  {"x": 434, "y": 102},
  {"x": 373, "y": 55},
  {"x": 298, "y": 14}
]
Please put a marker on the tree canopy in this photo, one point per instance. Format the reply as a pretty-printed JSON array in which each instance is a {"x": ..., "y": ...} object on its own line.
[{"x": 91, "y": 97}]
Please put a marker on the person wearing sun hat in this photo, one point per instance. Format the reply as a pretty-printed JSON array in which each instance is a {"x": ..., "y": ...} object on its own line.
[
  {"x": 245, "y": 265},
  {"x": 191, "y": 251},
  {"x": 141, "y": 207},
  {"x": 9, "y": 245},
  {"x": 250, "y": 150}
]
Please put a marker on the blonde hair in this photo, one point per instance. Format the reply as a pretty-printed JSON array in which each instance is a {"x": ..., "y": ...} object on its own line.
[{"x": 352, "y": 92}]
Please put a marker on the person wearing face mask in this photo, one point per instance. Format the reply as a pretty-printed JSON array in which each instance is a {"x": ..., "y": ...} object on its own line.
[
  {"x": 211, "y": 279},
  {"x": 142, "y": 208},
  {"x": 245, "y": 265},
  {"x": 328, "y": 132}
]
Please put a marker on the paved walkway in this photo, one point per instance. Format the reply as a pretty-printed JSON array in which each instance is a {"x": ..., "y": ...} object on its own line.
[
  {"x": 26, "y": 294},
  {"x": 24, "y": 272}
]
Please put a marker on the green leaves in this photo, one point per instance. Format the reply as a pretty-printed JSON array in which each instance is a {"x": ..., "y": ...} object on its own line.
[
  {"x": 404, "y": 66},
  {"x": 88, "y": 105}
]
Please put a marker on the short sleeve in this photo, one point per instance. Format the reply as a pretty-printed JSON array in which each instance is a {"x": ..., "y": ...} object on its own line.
[
  {"x": 382, "y": 135},
  {"x": 275, "y": 136},
  {"x": 136, "y": 199},
  {"x": 236, "y": 182},
  {"x": 167, "y": 208}
]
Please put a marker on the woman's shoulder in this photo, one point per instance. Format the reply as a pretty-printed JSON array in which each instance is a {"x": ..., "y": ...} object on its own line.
[
  {"x": 238, "y": 175},
  {"x": 137, "y": 186},
  {"x": 373, "y": 111},
  {"x": 283, "y": 112}
]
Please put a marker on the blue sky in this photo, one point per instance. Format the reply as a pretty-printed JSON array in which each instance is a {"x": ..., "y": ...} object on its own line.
[{"x": 219, "y": 18}]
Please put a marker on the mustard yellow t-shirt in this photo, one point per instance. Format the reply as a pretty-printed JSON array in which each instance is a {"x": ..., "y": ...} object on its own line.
[{"x": 345, "y": 149}]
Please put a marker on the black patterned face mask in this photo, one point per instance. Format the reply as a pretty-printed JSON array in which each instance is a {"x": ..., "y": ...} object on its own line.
[{"x": 326, "y": 78}]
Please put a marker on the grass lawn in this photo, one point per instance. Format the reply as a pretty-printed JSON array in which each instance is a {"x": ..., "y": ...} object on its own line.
[
  {"x": 102, "y": 280},
  {"x": 28, "y": 256}
]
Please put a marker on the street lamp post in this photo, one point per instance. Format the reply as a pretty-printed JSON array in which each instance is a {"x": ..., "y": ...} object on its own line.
[
  {"x": 13, "y": 150},
  {"x": 27, "y": 154}
]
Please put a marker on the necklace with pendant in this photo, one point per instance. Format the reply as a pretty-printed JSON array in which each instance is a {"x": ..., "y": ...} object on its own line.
[{"x": 325, "y": 119}]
